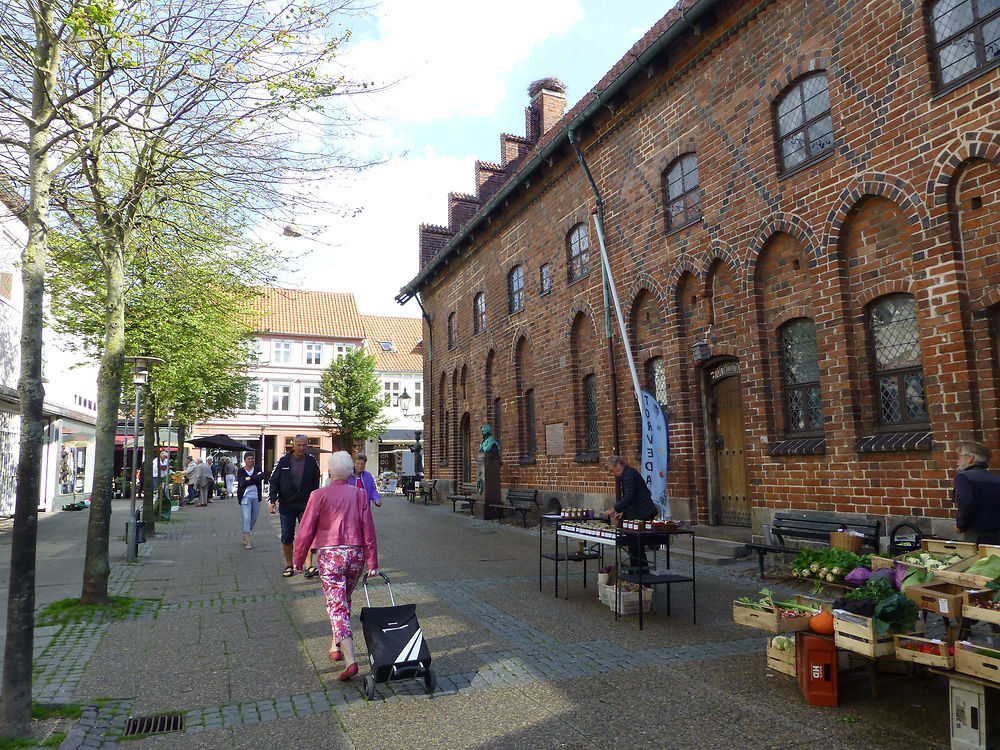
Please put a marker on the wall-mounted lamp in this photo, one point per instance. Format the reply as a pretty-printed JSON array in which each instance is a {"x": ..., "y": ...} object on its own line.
[
  {"x": 403, "y": 401},
  {"x": 701, "y": 351}
]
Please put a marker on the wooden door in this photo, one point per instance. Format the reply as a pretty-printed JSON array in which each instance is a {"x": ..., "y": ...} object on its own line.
[{"x": 734, "y": 493}]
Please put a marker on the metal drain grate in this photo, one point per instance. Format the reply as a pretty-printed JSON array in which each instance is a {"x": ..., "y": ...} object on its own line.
[{"x": 154, "y": 724}]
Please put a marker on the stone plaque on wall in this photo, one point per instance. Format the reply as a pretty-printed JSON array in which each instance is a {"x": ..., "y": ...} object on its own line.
[{"x": 554, "y": 439}]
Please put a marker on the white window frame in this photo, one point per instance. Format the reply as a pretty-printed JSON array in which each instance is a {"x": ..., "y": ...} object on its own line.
[
  {"x": 311, "y": 350},
  {"x": 391, "y": 390},
  {"x": 310, "y": 398},
  {"x": 418, "y": 395},
  {"x": 340, "y": 350},
  {"x": 281, "y": 352},
  {"x": 276, "y": 395}
]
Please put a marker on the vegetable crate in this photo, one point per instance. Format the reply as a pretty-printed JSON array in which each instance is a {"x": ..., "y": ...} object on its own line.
[
  {"x": 930, "y": 651},
  {"x": 629, "y": 603},
  {"x": 856, "y": 633},
  {"x": 781, "y": 660},
  {"x": 944, "y": 599},
  {"x": 606, "y": 593},
  {"x": 939, "y": 555},
  {"x": 978, "y": 661},
  {"x": 819, "y": 603},
  {"x": 960, "y": 573},
  {"x": 768, "y": 619},
  {"x": 977, "y": 604}
]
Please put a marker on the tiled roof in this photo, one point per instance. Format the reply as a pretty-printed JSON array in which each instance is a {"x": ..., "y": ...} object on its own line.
[
  {"x": 300, "y": 312},
  {"x": 404, "y": 333}
]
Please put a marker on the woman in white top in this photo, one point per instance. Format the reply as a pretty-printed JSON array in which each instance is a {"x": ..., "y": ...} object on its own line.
[{"x": 249, "y": 495}]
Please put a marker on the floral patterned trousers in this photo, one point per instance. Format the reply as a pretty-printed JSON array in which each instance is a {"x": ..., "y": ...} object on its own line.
[{"x": 339, "y": 570}]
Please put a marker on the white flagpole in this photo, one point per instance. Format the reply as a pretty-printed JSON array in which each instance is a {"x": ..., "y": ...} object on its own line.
[{"x": 618, "y": 309}]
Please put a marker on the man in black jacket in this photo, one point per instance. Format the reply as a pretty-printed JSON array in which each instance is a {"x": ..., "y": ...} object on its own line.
[
  {"x": 294, "y": 478},
  {"x": 636, "y": 504},
  {"x": 977, "y": 494}
]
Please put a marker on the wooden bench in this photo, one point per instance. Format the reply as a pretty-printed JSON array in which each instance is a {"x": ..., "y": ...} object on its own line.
[
  {"x": 426, "y": 490},
  {"x": 813, "y": 527},
  {"x": 522, "y": 501},
  {"x": 465, "y": 495}
]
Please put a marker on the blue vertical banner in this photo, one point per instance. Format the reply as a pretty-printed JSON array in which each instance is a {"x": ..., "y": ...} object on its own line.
[{"x": 655, "y": 446}]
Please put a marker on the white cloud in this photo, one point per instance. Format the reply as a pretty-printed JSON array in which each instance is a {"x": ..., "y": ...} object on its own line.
[
  {"x": 452, "y": 57},
  {"x": 374, "y": 253}
]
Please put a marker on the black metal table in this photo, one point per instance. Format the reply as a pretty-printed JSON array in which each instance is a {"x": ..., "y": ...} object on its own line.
[
  {"x": 557, "y": 557},
  {"x": 655, "y": 538}
]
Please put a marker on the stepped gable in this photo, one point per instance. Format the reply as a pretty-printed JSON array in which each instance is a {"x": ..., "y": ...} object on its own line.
[
  {"x": 461, "y": 208},
  {"x": 513, "y": 148},
  {"x": 432, "y": 238},
  {"x": 300, "y": 312}
]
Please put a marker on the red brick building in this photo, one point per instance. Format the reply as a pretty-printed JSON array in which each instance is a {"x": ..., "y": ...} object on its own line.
[{"x": 802, "y": 214}]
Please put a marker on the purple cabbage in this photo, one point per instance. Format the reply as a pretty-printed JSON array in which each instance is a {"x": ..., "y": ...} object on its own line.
[
  {"x": 857, "y": 576},
  {"x": 882, "y": 573}
]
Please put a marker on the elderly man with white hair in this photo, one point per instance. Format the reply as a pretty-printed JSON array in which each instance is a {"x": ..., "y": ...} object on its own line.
[{"x": 338, "y": 527}]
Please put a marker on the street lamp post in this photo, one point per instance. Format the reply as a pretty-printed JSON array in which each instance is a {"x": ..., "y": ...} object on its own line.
[
  {"x": 404, "y": 402},
  {"x": 140, "y": 376}
]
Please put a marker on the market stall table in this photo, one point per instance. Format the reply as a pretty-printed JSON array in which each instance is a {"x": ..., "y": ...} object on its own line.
[
  {"x": 655, "y": 538},
  {"x": 556, "y": 556}
]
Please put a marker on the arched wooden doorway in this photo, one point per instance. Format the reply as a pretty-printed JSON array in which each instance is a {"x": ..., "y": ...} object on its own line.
[{"x": 730, "y": 490}]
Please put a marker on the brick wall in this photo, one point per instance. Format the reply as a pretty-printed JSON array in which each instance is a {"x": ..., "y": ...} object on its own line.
[{"x": 906, "y": 201}]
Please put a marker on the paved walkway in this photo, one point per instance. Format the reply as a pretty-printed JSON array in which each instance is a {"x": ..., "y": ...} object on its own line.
[{"x": 219, "y": 637}]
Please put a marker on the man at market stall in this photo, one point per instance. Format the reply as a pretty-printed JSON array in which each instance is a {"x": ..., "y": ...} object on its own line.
[
  {"x": 977, "y": 494},
  {"x": 636, "y": 504}
]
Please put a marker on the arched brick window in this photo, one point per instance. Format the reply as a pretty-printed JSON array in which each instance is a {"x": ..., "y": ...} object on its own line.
[
  {"x": 681, "y": 194},
  {"x": 515, "y": 290},
  {"x": 800, "y": 376},
  {"x": 803, "y": 122},
  {"x": 479, "y": 313},
  {"x": 452, "y": 333},
  {"x": 965, "y": 39},
  {"x": 442, "y": 446},
  {"x": 898, "y": 377},
  {"x": 578, "y": 253},
  {"x": 530, "y": 439},
  {"x": 591, "y": 436},
  {"x": 656, "y": 379}
]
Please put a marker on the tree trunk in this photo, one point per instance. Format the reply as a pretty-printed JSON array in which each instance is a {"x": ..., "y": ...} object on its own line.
[
  {"x": 96, "y": 567},
  {"x": 15, "y": 709},
  {"x": 150, "y": 436}
]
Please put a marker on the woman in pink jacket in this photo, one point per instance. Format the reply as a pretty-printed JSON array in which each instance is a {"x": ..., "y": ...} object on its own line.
[{"x": 337, "y": 523}]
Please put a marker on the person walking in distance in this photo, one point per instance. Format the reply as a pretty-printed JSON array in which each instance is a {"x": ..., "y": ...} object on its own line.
[
  {"x": 364, "y": 479},
  {"x": 294, "y": 478},
  {"x": 205, "y": 481},
  {"x": 229, "y": 472}
]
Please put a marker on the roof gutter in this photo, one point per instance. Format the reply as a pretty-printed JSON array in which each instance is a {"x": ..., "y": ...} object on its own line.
[{"x": 672, "y": 33}]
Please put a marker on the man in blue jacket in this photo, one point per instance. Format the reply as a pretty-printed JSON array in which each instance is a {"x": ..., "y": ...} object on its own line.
[
  {"x": 636, "y": 504},
  {"x": 294, "y": 478},
  {"x": 977, "y": 494}
]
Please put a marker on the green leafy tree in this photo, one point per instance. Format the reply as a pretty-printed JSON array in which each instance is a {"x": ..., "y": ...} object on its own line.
[{"x": 351, "y": 400}]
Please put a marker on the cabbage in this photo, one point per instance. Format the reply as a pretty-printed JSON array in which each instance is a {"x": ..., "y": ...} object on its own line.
[
  {"x": 882, "y": 573},
  {"x": 857, "y": 576}
]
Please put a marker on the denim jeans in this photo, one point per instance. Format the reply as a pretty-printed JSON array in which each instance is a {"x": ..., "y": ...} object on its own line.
[{"x": 249, "y": 509}]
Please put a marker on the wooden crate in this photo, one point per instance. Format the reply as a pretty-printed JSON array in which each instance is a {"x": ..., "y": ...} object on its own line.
[
  {"x": 856, "y": 633},
  {"x": 968, "y": 660},
  {"x": 957, "y": 573},
  {"x": 972, "y": 612},
  {"x": 942, "y": 598},
  {"x": 808, "y": 600},
  {"x": 780, "y": 661},
  {"x": 941, "y": 547},
  {"x": 768, "y": 619},
  {"x": 940, "y": 658}
]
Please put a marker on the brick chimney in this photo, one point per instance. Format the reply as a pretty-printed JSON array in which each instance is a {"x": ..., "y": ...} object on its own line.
[
  {"x": 512, "y": 148},
  {"x": 432, "y": 239},
  {"x": 489, "y": 178},
  {"x": 548, "y": 105}
]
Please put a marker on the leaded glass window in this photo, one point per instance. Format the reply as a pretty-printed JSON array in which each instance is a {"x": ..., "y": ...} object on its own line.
[
  {"x": 800, "y": 372},
  {"x": 590, "y": 413},
  {"x": 966, "y": 38},
  {"x": 683, "y": 197},
  {"x": 452, "y": 333},
  {"x": 656, "y": 379},
  {"x": 579, "y": 253},
  {"x": 530, "y": 443},
  {"x": 515, "y": 290},
  {"x": 899, "y": 372},
  {"x": 479, "y": 313},
  {"x": 805, "y": 126}
]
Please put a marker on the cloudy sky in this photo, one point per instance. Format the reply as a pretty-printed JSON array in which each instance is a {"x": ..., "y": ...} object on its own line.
[{"x": 460, "y": 72}]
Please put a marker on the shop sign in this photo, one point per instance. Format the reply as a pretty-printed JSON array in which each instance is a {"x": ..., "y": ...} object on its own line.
[{"x": 725, "y": 370}]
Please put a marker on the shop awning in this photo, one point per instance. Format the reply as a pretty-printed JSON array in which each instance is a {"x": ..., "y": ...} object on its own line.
[{"x": 397, "y": 436}]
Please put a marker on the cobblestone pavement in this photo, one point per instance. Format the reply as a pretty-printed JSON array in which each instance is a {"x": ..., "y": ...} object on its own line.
[{"x": 218, "y": 637}]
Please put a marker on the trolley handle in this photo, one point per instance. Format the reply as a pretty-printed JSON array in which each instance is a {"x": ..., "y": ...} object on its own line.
[{"x": 385, "y": 578}]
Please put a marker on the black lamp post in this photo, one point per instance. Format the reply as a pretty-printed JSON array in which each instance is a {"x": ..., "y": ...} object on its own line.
[{"x": 404, "y": 402}]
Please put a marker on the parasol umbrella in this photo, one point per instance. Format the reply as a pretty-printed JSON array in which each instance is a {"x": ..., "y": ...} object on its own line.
[
  {"x": 312, "y": 450},
  {"x": 219, "y": 442}
]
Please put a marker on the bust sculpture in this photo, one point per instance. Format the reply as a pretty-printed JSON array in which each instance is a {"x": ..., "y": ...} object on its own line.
[{"x": 489, "y": 444}]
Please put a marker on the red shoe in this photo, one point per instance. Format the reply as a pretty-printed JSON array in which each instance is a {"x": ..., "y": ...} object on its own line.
[
  {"x": 349, "y": 672},
  {"x": 336, "y": 655}
]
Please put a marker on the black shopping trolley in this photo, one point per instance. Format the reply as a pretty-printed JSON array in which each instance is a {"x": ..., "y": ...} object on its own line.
[{"x": 396, "y": 646}]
